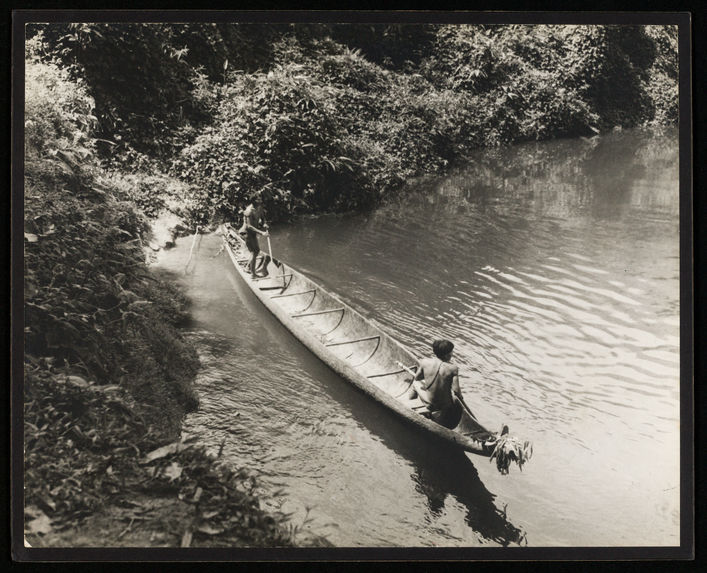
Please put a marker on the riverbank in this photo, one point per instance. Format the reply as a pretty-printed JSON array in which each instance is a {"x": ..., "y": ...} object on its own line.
[
  {"x": 105, "y": 466},
  {"x": 108, "y": 375},
  {"x": 96, "y": 476}
]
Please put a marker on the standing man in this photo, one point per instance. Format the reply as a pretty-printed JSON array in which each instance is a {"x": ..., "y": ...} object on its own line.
[
  {"x": 252, "y": 219},
  {"x": 437, "y": 383}
]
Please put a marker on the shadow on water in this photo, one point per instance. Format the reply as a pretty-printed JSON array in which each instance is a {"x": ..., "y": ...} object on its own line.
[
  {"x": 446, "y": 471},
  {"x": 439, "y": 470}
]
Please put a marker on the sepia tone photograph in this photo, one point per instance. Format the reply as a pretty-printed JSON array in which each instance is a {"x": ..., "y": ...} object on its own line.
[{"x": 351, "y": 284}]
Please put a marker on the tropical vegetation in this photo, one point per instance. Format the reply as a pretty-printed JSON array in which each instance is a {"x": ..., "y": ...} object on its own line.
[{"x": 123, "y": 121}]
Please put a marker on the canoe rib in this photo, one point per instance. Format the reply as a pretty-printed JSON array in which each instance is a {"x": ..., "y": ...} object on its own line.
[
  {"x": 294, "y": 293},
  {"x": 317, "y": 312},
  {"x": 369, "y": 371}
]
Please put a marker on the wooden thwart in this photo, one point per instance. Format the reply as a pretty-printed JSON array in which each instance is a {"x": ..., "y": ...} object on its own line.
[
  {"x": 272, "y": 277},
  {"x": 352, "y": 341},
  {"x": 386, "y": 374}
]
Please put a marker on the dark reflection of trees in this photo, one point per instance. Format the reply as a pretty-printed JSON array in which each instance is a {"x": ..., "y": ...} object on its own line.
[
  {"x": 602, "y": 176},
  {"x": 442, "y": 471}
]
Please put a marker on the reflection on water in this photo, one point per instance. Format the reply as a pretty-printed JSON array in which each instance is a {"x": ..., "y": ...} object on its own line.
[
  {"x": 554, "y": 268},
  {"x": 444, "y": 472}
]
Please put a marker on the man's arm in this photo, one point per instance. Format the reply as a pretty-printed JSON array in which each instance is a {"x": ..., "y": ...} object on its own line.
[
  {"x": 456, "y": 390},
  {"x": 253, "y": 227},
  {"x": 420, "y": 374}
]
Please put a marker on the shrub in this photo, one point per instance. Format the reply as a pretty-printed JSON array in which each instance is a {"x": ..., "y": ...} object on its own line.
[
  {"x": 58, "y": 113},
  {"x": 90, "y": 302},
  {"x": 280, "y": 132}
]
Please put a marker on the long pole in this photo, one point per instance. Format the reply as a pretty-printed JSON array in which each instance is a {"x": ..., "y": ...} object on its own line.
[
  {"x": 269, "y": 247},
  {"x": 277, "y": 263}
]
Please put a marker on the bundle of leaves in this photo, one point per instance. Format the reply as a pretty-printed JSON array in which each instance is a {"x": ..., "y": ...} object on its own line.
[{"x": 509, "y": 449}]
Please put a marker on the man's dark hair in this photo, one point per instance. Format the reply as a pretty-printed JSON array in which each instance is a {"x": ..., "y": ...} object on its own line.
[{"x": 442, "y": 347}]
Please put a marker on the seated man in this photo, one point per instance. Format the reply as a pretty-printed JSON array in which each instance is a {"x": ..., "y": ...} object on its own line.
[{"x": 437, "y": 382}]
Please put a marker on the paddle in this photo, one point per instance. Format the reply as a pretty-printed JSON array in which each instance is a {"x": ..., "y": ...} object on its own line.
[
  {"x": 269, "y": 247},
  {"x": 409, "y": 371},
  {"x": 268, "y": 257}
]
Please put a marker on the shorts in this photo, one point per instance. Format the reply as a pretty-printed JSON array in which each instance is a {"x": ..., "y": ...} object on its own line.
[
  {"x": 251, "y": 243},
  {"x": 449, "y": 417}
]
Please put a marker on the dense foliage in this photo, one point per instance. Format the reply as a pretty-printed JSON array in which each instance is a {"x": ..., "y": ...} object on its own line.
[
  {"x": 107, "y": 374},
  {"x": 332, "y": 117},
  {"x": 90, "y": 302}
]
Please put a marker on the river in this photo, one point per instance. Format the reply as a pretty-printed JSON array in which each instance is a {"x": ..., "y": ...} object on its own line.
[{"x": 554, "y": 268}]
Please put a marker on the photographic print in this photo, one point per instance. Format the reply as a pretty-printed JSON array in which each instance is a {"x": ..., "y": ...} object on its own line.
[{"x": 351, "y": 283}]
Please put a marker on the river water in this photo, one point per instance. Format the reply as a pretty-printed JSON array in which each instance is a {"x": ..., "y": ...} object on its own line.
[{"x": 554, "y": 268}]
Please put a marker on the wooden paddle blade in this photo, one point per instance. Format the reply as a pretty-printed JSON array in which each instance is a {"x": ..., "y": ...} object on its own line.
[{"x": 267, "y": 260}]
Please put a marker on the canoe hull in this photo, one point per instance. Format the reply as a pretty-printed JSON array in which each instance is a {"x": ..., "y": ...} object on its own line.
[{"x": 349, "y": 344}]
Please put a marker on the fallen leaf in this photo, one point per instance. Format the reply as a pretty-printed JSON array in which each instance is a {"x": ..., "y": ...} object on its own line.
[
  {"x": 186, "y": 538},
  {"x": 41, "y": 524},
  {"x": 31, "y": 237},
  {"x": 107, "y": 388},
  {"x": 209, "y": 530},
  {"x": 49, "y": 503},
  {"x": 77, "y": 381},
  {"x": 173, "y": 448},
  {"x": 173, "y": 471}
]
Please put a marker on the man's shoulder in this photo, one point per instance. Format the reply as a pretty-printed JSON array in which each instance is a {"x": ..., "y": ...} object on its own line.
[{"x": 451, "y": 368}]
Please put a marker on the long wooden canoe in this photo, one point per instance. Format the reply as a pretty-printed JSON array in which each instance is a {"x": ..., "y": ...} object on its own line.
[{"x": 351, "y": 345}]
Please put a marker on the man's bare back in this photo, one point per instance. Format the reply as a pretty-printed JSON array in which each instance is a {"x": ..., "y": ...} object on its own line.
[
  {"x": 436, "y": 380},
  {"x": 437, "y": 383}
]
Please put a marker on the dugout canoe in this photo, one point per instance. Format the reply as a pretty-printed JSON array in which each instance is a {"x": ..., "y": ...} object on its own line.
[{"x": 349, "y": 344}]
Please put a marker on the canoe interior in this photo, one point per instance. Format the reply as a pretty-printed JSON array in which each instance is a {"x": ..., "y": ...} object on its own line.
[{"x": 348, "y": 342}]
